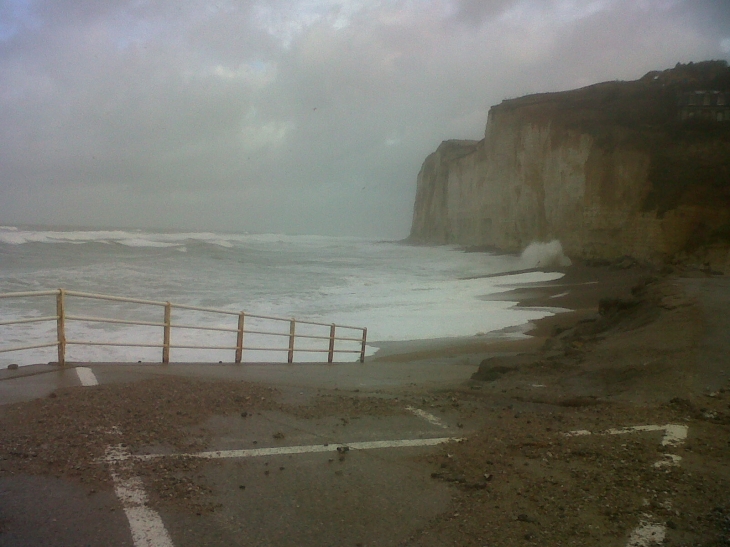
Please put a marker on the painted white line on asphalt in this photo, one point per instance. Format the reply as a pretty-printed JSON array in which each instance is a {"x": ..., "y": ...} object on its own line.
[
  {"x": 430, "y": 418},
  {"x": 86, "y": 376},
  {"x": 369, "y": 445},
  {"x": 284, "y": 450},
  {"x": 649, "y": 533},
  {"x": 146, "y": 526},
  {"x": 646, "y": 534},
  {"x": 671, "y": 460},
  {"x": 674, "y": 434},
  {"x": 577, "y": 433}
]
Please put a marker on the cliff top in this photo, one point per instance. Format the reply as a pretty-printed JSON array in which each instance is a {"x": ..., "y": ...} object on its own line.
[{"x": 649, "y": 101}]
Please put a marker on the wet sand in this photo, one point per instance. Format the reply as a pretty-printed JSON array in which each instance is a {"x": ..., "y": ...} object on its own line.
[{"x": 573, "y": 297}]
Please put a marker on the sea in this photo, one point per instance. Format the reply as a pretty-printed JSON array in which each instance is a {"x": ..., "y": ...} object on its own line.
[{"x": 400, "y": 292}]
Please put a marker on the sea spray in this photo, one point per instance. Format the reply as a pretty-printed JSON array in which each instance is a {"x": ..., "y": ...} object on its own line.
[
  {"x": 398, "y": 292},
  {"x": 544, "y": 255}
]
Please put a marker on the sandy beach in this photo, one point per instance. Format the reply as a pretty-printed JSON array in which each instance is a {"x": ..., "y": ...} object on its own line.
[{"x": 574, "y": 297}]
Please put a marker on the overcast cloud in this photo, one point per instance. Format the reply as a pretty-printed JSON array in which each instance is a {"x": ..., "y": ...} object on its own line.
[{"x": 296, "y": 116}]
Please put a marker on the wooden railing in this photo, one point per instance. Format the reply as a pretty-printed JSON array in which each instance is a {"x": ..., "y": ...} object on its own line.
[{"x": 62, "y": 317}]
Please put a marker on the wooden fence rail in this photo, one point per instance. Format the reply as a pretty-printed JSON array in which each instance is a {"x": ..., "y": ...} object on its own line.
[{"x": 62, "y": 317}]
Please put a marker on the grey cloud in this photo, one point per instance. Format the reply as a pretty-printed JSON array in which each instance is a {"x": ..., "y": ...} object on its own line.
[
  {"x": 476, "y": 12},
  {"x": 176, "y": 114}
]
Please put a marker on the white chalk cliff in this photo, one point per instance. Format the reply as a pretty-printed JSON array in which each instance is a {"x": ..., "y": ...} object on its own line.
[{"x": 609, "y": 170}]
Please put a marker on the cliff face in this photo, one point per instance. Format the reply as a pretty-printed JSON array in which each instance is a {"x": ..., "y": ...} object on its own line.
[{"x": 609, "y": 170}]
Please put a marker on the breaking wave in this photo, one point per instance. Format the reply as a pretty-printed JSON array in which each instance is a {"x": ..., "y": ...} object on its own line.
[
  {"x": 399, "y": 292},
  {"x": 544, "y": 255},
  {"x": 11, "y": 235}
]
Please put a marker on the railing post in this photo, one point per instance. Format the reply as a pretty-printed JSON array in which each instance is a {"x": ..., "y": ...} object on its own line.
[
  {"x": 364, "y": 340},
  {"x": 61, "y": 327},
  {"x": 239, "y": 338},
  {"x": 331, "y": 353},
  {"x": 292, "y": 328},
  {"x": 166, "y": 333}
]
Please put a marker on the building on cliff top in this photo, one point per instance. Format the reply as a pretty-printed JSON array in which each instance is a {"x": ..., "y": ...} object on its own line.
[{"x": 705, "y": 105}]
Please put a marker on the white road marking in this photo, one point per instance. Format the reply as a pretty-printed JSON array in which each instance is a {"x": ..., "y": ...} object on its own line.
[
  {"x": 674, "y": 434},
  {"x": 284, "y": 450},
  {"x": 577, "y": 433},
  {"x": 430, "y": 418},
  {"x": 86, "y": 376},
  {"x": 670, "y": 460},
  {"x": 146, "y": 526},
  {"x": 646, "y": 534},
  {"x": 649, "y": 533}
]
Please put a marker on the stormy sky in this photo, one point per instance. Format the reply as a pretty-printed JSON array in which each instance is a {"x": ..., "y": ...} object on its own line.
[{"x": 293, "y": 116}]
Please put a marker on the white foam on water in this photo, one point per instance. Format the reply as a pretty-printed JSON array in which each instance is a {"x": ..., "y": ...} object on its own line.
[
  {"x": 11, "y": 235},
  {"x": 398, "y": 292}
]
